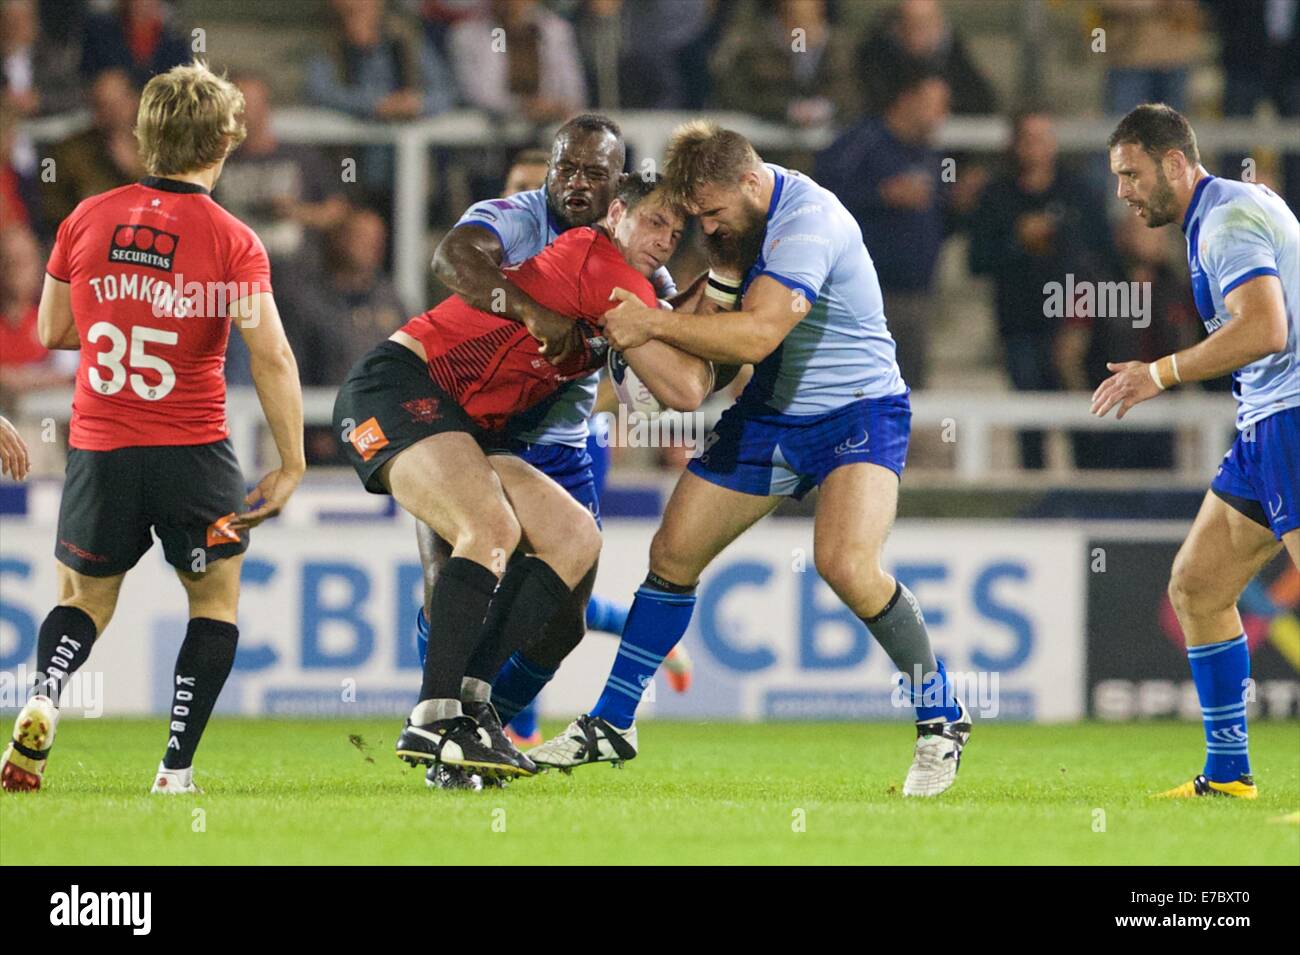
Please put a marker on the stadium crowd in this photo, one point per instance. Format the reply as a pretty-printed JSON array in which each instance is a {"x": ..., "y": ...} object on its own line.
[{"x": 885, "y": 76}]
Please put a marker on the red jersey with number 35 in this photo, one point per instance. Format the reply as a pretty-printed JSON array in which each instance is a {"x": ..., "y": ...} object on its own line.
[
  {"x": 154, "y": 269},
  {"x": 489, "y": 363}
]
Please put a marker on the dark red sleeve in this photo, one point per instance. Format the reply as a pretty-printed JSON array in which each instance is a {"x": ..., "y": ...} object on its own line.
[{"x": 604, "y": 271}]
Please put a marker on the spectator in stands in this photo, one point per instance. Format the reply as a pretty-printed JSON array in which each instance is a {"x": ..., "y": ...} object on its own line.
[
  {"x": 1150, "y": 48},
  {"x": 140, "y": 37},
  {"x": 534, "y": 70},
  {"x": 599, "y": 24},
  {"x": 25, "y": 364},
  {"x": 783, "y": 66},
  {"x": 1259, "y": 47},
  {"x": 664, "y": 59},
  {"x": 103, "y": 156},
  {"x": 19, "y": 200},
  {"x": 289, "y": 193},
  {"x": 38, "y": 76},
  {"x": 338, "y": 319},
  {"x": 1034, "y": 225},
  {"x": 1145, "y": 256},
  {"x": 527, "y": 171},
  {"x": 886, "y": 171},
  {"x": 378, "y": 67},
  {"x": 916, "y": 34}
]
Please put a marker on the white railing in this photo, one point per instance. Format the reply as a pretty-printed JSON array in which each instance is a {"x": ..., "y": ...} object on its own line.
[
  {"x": 970, "y": 422},
  {"x": 646, "y": 133}
]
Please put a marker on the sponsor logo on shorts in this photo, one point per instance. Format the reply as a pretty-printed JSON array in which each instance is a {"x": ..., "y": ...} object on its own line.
[
  {"x": 849, "y": 445},
  {"x": 1275, "y": 510},
  {"x": 423, "y": 410},
  {"x": 368, "y": 438},
  {"x": 144, "y": 246},
  {"x": 81, "y": 552},
  {"x": 220, "y": 532}
]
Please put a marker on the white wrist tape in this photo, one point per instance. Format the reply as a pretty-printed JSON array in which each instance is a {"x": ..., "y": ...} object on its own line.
[
  {"x": 725, "y": 291},
  {"x": 1155, "y": 376}
]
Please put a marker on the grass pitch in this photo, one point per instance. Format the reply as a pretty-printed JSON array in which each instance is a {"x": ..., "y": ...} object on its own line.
[{"x": 331, "y": 792}]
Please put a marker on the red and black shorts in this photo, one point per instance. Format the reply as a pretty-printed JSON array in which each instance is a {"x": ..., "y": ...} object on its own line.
[
  {"x": 186, "y": 494},
  {"x": 388, "y": 403}
]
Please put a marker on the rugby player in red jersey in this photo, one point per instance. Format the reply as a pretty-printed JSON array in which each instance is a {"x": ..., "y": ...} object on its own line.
[
  {"x": 419, "y": 417},
  {"x": 145, "y": 281}
]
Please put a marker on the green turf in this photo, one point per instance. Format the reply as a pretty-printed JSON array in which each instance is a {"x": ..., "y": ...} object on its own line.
[{"x": 301, "y": 792}]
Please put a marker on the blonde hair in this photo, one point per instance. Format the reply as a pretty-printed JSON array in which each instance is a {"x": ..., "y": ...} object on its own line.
[
  {"x": 190, "y": 118},
  {"x": 703, "y": 153}
]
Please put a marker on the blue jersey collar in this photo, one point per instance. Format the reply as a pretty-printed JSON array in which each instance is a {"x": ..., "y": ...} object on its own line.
[
  {"x": 776, "y": 191},
  {"x": 1196, "y": 199}
]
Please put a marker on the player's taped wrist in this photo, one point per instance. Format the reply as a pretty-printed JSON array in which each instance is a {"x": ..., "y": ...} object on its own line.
[
  {"x": 595, "y": 346},
  {"x": 721, "y": 289},
  {"x": 1164, "y": 372}
]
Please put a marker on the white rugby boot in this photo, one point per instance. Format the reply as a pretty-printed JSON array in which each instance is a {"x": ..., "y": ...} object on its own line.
[
  {"x": 175, "y": 782},
  {"x": 588, "y": 739},
  {"x": 939, "y": 744}
]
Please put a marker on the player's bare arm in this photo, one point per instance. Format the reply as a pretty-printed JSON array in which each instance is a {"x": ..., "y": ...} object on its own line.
[
  {"x": 769, "y": 311},
  {"x": 1258, "y": 328},
  {"x": 680, "y": 381},
  {"x": 468, "y": 261},
  {"x": 54, "y": 320},
  {"x": 275, "y": 375}
]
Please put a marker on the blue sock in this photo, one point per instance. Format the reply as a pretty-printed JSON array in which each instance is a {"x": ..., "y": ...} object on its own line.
[
  {"x": 525, "y": 721},
  {"x": 655, "y": 623},
  {"x": 936, "y": 699},
  {"x": 1220, "y": 671},
  {"x": 421, "y": 635},
  {"x": 517, "y": 684},
  {"x": 606, "y": 615}
]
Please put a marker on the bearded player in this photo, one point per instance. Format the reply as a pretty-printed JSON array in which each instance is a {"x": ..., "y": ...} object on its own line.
[
  {"x": 1243, "y": 251},
  {"x": 148, "y": 446},
  {"x": 826, "y": 408}
]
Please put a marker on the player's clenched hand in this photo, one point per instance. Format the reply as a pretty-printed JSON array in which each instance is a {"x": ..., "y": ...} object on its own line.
[
  {"x": 1130, "y": 385},
  {"x": 13, "y": 451},
  {"x": 630, "y": 322},
  {"x": 273, "y": 492},
  {"x": 558, "y": 336}
]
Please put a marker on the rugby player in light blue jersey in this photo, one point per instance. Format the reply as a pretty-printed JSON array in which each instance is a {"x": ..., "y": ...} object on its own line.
[
  {"x": 826, "y": 408},
  {"x": 1243, "y": 251}
]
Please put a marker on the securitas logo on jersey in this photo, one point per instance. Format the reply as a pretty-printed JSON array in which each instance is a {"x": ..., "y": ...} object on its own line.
[{"x": 144, "y": 245}]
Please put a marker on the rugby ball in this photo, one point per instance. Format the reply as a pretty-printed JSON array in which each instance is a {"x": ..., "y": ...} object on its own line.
[{"x": 631, "y": 390}]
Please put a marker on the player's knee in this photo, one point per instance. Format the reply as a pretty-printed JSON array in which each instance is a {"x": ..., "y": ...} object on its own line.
[
  {"x": 854, "y": 575},
  {"x": 587, "y": 543},
  {"x": 1191, "y": 593},
  {"x": 494, "y": 531},
  {"x": 668, "y": 559}
]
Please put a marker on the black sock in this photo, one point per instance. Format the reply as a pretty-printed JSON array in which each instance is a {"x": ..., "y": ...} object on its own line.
[
  {"x": 202, "y": 666},
  {"x": 66, "y": 637},
  {"x": 529, "y": 596},
  {"x": 459, "y": 603}
]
